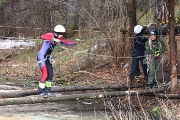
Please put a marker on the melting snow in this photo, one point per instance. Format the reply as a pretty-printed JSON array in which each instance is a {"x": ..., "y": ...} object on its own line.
[{"x": 7, "y": 44}]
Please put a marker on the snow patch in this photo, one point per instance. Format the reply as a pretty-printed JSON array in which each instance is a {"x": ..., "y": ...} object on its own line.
[{"x": 8, "y": 44}]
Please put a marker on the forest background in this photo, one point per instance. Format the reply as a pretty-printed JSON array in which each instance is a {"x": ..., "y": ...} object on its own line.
[{"x": 102, "y": 54}]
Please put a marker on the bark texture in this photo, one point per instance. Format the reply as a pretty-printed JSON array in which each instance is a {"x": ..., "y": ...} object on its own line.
[
  {"x": 38, "y": 99},
  {"x": 66, "y": 89}
]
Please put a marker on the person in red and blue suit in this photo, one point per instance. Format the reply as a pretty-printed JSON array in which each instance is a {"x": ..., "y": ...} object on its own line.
[{"x": 44, "y": 58}]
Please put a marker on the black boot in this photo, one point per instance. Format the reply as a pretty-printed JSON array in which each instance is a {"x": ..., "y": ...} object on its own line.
[
  {"x": 150, "y": 85},
  {"x": 129, "y": 81}
]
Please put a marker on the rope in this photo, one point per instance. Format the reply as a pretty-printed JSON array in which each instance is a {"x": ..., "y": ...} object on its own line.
[
  {"x": 160, "y": 64},
  {"x": 122, "y": 57}
]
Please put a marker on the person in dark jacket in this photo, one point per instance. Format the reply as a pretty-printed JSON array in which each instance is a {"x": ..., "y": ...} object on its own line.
[
  {"x": 138, "y": 53},
  {"x": 44, "y": 58}
]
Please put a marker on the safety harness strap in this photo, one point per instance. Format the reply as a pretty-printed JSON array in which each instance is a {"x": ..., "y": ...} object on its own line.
[{"x": 46, "y": 58}]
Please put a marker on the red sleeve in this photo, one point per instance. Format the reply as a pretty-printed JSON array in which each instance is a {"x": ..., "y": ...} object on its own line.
[
  {"x": 67, "y": 42},
  {"x": 47, "y": 36}
]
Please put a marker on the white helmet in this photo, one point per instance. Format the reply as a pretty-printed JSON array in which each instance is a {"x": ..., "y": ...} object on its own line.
[
  {"x": 138, "y": 29},
  {"x": 59, "y": 28}
]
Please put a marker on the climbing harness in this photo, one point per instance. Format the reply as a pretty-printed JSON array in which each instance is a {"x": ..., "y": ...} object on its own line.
[{"x": 48, "y": 57}]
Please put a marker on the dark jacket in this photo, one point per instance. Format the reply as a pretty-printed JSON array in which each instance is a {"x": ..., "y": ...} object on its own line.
[{"x": 139, "y": 45}]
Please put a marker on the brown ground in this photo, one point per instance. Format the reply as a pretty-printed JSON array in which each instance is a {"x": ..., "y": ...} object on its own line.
[
  {"x": 18, "y": 66},
  {"x": 17, "y": 71}
]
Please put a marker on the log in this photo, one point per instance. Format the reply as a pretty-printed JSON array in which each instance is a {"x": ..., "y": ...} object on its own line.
[
  {"x": 169, "y": 96},
  {"x": 7, "y": 87},
  {"x": 68, "y": 88},
  {"x": 38, "y": 99}
]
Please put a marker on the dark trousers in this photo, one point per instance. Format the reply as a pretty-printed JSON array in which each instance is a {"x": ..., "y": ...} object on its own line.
[
  {"x": 49, "y": 70},
  {"x": 134, "y": 64}
]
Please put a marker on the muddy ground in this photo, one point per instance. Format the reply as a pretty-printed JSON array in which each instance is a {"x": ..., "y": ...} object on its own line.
[{"x": 50, "y": 111}]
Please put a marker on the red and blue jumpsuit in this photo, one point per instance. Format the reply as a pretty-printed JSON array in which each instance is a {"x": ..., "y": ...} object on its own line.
[{"x": 44, "y": 60}]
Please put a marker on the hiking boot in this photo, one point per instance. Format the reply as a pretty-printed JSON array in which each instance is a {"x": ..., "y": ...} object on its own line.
[
  {"x": 150, "y": 85},
  {"x": 130, "y": 82},
  {"x": 43, "y": 94},
  {"x": 50, "y": 94}
]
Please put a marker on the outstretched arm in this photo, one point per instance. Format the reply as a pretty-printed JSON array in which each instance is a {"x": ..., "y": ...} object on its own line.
[
  {"x": 67, "y": 42},
  {"x": 49, "y": 37}
]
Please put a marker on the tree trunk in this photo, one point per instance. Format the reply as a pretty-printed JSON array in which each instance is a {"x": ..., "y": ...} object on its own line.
[
  {"x": 72, "y": 17},
  {"x": 173, "y": 49},
  {"x": 132, "y": 16},
  {"x": 38, "y": 99},
  {"x": 2, "y": 15},
  {"x": 132, "y": 24},
  {"x": 161, "y": 11},
  {"x": 66, "y": 89}
]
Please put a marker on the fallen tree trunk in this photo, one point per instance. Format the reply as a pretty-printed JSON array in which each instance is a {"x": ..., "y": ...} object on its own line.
[
  {"x": 68, "y": 88},
  {"x": 37, "y": 99},
  {"x": 7, "y": 87},
  {"x": 169, "y": 96}
]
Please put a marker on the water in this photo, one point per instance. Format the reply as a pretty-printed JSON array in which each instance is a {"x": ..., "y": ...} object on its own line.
[{"x": 69, "y": 110}]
